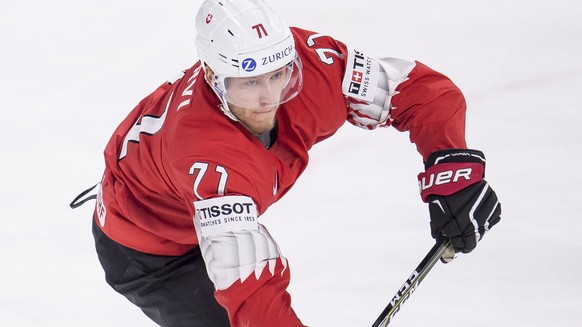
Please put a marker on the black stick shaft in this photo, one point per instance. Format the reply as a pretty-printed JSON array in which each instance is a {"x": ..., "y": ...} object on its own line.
[{"x": 431, "y": 258}]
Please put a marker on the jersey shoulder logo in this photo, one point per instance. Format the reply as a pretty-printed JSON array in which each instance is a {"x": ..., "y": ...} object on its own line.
[
  {"x": 225, "y": 214},
  {"x": 361, "y": 77}
]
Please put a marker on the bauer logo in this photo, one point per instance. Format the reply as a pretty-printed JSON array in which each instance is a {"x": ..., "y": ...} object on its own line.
[
  {"x": 444, "y": 177},
  {"x": 249, "y": 65}
]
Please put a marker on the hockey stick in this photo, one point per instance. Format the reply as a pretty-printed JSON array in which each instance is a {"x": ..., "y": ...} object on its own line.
[{"x": 441, "y": 250}]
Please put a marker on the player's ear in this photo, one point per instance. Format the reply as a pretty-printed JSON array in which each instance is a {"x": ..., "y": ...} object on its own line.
[{"x": 208, "y": 74}]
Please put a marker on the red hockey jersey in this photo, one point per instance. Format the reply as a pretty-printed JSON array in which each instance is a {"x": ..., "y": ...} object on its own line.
[{"x": 177, "y": 160}]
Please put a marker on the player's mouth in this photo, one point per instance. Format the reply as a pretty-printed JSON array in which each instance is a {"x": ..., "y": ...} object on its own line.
[{"x": 265, "y": 110}]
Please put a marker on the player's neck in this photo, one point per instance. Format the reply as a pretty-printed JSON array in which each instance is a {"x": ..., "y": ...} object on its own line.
[{"x": 269, "y": 138}]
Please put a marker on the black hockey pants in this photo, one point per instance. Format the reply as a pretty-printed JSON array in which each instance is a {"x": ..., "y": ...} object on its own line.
[{"x": 174, "y": 291}]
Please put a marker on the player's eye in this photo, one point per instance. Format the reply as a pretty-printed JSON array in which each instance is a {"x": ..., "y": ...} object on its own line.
[{"x": 277, "y": 75}]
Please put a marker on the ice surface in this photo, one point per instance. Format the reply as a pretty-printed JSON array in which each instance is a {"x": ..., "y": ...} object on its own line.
[{"x": 354, "y": 227}]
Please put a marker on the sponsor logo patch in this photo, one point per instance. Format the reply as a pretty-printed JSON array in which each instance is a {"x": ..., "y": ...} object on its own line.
[
  {"x": 225, "y": 214},
  {"x": 267, "y": 60},
  {"x": 361, "y": 76},
  {"x": 249, "y": 64},
  {"x": 448, "y": 178}
]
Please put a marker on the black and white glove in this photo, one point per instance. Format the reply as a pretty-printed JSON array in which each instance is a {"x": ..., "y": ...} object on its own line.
[{"x": 462, "y": 205}]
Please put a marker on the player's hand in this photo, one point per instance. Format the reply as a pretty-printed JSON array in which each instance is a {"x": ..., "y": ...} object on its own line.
[{"x": 462, "y": 205}]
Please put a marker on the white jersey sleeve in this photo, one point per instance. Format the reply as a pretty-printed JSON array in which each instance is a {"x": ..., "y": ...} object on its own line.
[
  {"x": 370, "y": 84},
  {"x": 233, "y": 244}
]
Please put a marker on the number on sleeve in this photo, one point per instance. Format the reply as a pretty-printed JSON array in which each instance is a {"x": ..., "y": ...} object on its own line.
[
  {"x": 322, "y": 52},
  {"x": 203, "y": 168}
]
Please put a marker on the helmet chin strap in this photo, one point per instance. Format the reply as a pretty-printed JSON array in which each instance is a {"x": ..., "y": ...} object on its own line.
[
  {"x": 216, "y": 87},
  {"x": 225, "y": 110}
]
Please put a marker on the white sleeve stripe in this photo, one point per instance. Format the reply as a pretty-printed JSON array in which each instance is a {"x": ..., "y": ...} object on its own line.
[
  {"x": 366, "y": 120},
  {"x": 397, "y": 71},
  {"x": 392, "y": 73},
  {"x": 235, "y": 255},
  {"x": 361, "y": 117},
  {"x": 247, "y": 253},
  {"x": 370, "y": 110}
]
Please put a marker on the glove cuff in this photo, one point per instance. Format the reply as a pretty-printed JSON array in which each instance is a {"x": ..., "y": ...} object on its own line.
[
  {"x": 454, "y": 155},
  {"x": 449, "y": 171}
]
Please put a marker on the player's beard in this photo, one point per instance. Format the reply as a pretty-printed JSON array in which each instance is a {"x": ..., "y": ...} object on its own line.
[{"x": 256, "y": 121}]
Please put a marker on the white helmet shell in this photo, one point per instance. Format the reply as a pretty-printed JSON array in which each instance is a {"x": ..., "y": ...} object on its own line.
[
  {"x": 232, "y": 31},
  {"x": 242, "y": 38}
]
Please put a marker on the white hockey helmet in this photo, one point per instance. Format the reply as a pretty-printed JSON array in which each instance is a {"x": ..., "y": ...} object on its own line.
[{"x": 246, "y": 39}]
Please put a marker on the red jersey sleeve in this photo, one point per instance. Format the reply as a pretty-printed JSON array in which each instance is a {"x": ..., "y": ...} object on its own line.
[
  {"x": 431, "y": 108},
  {"x": 393, "y": 92}
]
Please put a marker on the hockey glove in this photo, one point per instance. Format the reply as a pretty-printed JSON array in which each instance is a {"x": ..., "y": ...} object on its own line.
[{"x": 462, "y": 205}]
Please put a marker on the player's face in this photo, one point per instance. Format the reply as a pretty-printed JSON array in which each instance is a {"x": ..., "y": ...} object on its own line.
[
  {"x": 258, "y": 91},
  {"x": 256, "y": 121},
  {"x": 255, "y": 100}
]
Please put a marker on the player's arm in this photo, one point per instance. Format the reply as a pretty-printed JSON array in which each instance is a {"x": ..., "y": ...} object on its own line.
[
  {"x": 243, "y": 261},
  {"x": 408, "y": 96},
  {"x": 412, "y": 97},
  {"x": 429, "y": 106}
]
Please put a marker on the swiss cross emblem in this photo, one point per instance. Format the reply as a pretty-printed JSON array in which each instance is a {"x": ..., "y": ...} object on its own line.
[
  {"x": 261, "y": 31},
  {"x": 357, "y": 76},
  {"x": 209, "y": 18}
]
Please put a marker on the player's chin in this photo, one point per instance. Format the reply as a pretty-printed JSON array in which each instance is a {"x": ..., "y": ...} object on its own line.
[
  {"x": 260, "y": 126},
  {"x": 265, "y": 110},
  {"x": 264, "y": 116}
]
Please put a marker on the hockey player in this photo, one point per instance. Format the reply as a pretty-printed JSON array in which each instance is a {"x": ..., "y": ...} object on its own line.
[{"x": 195, "y": 164}]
